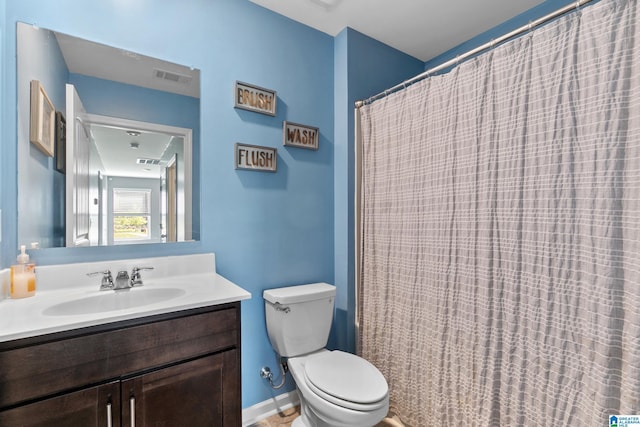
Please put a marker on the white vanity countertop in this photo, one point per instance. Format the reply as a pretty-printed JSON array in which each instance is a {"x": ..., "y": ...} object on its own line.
[{"x": 192, "y": 278}]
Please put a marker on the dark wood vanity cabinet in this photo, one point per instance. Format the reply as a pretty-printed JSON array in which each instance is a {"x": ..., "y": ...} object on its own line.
[
  {"x": 178, "y": 369},
  {"x": 87, "y": 407},
  {"x": 180, "y": 395}
]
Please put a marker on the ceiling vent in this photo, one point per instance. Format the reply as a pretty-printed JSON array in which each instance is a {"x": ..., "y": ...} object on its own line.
[
  {"x": 327, "y": 4},
  {"x": 172, "y": 77},
  {"x": 142, "y": 161}
]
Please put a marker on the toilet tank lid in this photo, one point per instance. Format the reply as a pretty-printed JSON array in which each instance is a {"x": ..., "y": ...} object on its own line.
[{"x": 300, "y": 293}]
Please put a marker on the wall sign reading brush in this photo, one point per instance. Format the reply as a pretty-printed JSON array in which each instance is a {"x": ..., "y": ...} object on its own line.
[{"x": 255, "y": 98}]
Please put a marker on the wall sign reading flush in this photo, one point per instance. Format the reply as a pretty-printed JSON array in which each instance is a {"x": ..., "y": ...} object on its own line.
[
  {"x": 255, "y": 98},
  {"x": 254, "y": 157}
]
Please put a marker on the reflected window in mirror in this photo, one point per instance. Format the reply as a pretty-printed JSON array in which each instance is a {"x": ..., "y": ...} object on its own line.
[{"x": 131, "y": 215}]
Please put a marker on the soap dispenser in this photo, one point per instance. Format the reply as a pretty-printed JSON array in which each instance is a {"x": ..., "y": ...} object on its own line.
[{"x": 23, "y": 276}]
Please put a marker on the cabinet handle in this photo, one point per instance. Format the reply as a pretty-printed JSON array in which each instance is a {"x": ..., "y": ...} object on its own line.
[
  {"x": 132, "y": 410},
  {"x": 109, "y": 423}
]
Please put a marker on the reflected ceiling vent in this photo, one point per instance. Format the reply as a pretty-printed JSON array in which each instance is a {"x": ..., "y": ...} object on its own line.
[
  {"x": 142, "y": 161},
  {"x": 327, "y": 4},
  {"x": 172, "y": 77}
]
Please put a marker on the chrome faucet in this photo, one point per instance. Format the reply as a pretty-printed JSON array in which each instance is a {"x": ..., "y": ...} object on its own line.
[{"x": 123, "y": 281}]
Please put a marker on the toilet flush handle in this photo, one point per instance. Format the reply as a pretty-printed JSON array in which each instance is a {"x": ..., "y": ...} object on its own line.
[{"x": 280, "y": 307}]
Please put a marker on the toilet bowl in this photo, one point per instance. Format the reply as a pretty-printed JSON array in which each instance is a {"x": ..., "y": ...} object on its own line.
[{"x": 336, "y": 389}]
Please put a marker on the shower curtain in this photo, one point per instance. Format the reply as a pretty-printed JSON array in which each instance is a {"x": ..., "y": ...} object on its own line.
[{"x": 500, "y": 243}]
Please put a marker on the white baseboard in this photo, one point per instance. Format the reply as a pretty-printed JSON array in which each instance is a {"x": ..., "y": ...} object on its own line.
[{"x": 265, "y": 409}]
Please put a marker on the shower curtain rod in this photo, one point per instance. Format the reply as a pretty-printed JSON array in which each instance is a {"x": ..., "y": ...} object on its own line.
[{"x": 494, "y": 42}]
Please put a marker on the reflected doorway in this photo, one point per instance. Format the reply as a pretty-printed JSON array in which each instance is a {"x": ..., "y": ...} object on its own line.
[{"x": 142, "y": 187}]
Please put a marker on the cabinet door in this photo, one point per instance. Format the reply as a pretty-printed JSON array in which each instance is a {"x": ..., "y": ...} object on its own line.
[
  {"x": 188, "y": 394},
  {"x": 96, "y": 406}
]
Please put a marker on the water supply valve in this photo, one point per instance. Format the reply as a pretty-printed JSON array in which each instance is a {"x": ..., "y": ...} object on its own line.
[{"x": 266, "y": 373}]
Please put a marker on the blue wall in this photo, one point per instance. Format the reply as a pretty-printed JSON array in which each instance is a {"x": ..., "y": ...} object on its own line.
[
  {"x": 363, "y": 67},
  {"x": 109, "y": 98},
  {"x": 40, "y": 181}
]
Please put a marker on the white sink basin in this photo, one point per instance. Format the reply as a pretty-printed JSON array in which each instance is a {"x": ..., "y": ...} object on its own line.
[
  {"x": 113, "y": 301},
  {"x": 177, "y": 283}
]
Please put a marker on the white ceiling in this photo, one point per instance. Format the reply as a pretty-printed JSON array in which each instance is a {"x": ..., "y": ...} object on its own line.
[
  {"x": 420, "y": 28},
  {"x": 119, "y": 159},
  {"x": 109, "y": 63}
]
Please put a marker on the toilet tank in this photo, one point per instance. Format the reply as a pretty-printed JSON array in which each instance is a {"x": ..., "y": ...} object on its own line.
[{"x": 299, "y": 317}]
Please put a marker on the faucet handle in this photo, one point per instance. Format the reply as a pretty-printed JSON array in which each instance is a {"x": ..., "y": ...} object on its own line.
[
  {"x": 107, "y": 280},
  {"x": 136, "y": 277}
]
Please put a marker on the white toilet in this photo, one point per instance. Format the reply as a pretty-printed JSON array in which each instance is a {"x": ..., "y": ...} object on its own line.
[{"x": 336, "y": 389}]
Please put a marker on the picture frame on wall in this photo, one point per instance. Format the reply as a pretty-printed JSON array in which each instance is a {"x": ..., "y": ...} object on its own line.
[
  {"x": 61, "y": 142},
  {"x": 301, "y": 136},
  {"x": 42, "y": 123},
  {"x": 255, "y": 98},
  {"x": 255, "y": 157}
]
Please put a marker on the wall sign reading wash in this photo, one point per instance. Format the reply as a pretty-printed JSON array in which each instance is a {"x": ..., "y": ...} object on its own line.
[
  {"x": 255, "y": 98},
  {"x": 254, "y": 157},
  {"x": 296, "y": 135}
]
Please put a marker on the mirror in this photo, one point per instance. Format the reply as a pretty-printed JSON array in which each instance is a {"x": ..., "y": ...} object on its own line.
[{"x": 120, "y": 168}]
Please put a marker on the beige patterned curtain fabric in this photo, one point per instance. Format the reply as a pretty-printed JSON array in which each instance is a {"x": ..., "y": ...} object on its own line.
[{"x": 500, "y": 231}]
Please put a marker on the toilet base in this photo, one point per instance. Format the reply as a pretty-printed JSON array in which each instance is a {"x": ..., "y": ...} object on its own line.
[
  {"x": 309, "y": 418},
  {"x": 298, "y": 422}
]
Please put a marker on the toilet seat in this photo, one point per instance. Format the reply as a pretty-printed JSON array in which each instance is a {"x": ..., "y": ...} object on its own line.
[{"x": 346, "y": 380}]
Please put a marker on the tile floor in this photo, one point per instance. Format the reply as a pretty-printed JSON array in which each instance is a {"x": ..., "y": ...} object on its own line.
[
  {"x": 285, "y": 418},
  {"x": 282, "y": 419}
]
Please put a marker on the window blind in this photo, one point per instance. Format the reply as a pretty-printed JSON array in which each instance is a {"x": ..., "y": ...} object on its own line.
[{"x": 128, "y": 201}]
